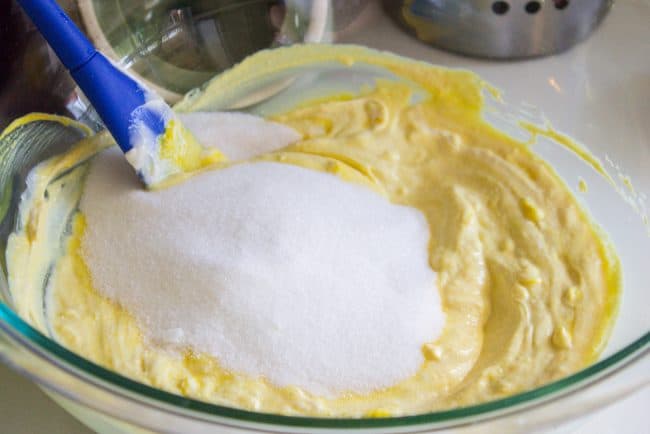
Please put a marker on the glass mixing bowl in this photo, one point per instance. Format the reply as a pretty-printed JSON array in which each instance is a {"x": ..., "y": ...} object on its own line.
[
  {"x": 612, "y": 124},
  {"x": 177, "y": 46}
]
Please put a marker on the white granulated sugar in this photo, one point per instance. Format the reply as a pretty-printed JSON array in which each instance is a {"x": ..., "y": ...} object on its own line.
[
  {"x": 238, "y": 135},
  {"x": 278, "y": 271}
]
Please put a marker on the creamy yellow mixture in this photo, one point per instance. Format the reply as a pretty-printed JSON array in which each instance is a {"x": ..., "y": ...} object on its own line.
[{"x": 528, "y": 284}]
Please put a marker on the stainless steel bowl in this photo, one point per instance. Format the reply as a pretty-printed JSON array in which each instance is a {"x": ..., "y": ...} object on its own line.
[{"x": 507, "y": 29}]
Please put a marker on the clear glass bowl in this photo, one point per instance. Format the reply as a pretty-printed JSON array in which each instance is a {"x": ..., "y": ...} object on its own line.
[
  {"x": 175, "y": 47},
  {"x": 610, "y": 118}
]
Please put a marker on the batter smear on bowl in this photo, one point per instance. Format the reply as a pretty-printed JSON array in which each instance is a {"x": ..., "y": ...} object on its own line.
[{"x": 392, "y": 254}]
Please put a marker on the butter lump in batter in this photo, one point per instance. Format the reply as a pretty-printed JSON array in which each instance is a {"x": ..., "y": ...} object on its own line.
[{"x": 528, "y": 284}]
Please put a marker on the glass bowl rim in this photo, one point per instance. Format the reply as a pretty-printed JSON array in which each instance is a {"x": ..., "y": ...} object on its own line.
[{"x": 45, "y": 347}]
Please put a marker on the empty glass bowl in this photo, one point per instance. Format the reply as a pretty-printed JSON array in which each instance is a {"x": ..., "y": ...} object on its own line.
[{"x": 175, "y": 47}]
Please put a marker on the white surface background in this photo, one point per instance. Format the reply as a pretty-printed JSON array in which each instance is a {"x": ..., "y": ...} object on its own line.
[{"x": 24, "y": 409}]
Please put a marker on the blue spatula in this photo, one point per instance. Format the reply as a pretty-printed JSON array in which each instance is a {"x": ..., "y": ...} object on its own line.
[{"x": 139, "y": 120}]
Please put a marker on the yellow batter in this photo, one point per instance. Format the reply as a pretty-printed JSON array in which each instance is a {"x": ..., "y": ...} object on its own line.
[{"x": 528, "y": 284}]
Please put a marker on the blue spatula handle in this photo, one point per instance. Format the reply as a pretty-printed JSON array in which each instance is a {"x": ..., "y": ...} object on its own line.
[{"x": 115, "y": 95}]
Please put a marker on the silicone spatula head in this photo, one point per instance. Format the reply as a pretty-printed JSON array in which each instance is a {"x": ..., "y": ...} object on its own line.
[{"x": 143, "y": 125}]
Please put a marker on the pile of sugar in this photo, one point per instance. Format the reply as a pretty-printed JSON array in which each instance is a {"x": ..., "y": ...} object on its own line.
[
  {"x": 278, "y": 271},
  {"x": 238, "y": 135}
]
